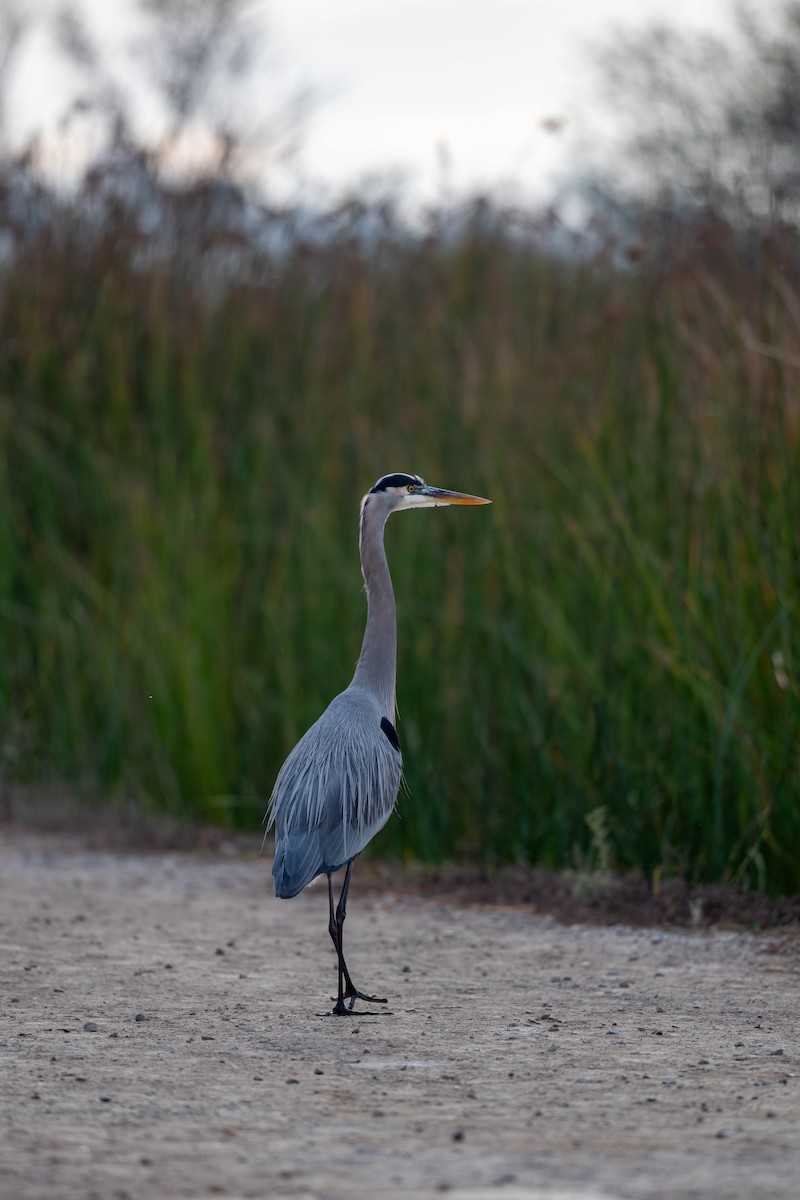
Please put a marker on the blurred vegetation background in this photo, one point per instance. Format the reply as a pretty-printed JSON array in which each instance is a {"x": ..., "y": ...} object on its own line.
[{"x": 603, "y": 670}]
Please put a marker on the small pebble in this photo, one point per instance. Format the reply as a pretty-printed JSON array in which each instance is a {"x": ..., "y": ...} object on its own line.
[
  {"x": 90, "y": 1026},
  {"x": 140, "y": 1017}
]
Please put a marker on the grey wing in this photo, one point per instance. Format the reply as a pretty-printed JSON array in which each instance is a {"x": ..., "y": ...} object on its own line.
[{"x": 334, "y": 792}]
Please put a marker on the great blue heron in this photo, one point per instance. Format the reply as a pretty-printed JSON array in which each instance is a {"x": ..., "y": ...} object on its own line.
[{"x": 338, "y": 786}]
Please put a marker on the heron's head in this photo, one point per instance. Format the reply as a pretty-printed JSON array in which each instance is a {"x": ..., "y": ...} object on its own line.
[{"x": 410, "y": 491}]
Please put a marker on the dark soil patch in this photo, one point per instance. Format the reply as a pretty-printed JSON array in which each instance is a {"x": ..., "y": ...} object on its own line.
[{"x": 594, "y": 899}]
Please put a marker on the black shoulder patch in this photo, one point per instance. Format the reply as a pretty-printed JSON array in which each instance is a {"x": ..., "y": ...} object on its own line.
[
  {"x": 391, "y": 733},
  {"x": 398, "y": 480}
]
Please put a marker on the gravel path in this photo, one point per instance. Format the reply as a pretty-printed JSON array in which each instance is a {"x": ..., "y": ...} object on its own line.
[{"x": 160, "y": 1037}]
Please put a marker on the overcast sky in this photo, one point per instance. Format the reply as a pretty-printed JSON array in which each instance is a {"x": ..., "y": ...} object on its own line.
[
  {"x": 483, "y": 78},
  {"x": 407, "y": 84}
]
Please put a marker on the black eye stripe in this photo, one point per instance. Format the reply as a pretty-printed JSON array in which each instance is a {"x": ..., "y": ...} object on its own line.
[{"x": 398, "y": 480}]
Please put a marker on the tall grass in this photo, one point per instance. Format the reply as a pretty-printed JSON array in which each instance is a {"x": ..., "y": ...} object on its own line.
[{"x": 614, "y": 645}]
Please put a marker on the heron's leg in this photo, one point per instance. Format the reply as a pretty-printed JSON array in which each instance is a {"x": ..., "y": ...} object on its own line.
[
  {"x": 350, "y": 991},
  {"x": 335, "y": 931}
]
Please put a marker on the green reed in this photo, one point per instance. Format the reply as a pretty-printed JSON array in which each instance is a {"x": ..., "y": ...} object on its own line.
[{"x": 617, "y": 637}]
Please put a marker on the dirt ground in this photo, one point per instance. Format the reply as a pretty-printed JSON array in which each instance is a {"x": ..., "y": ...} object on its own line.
[{"x": 161, "y": 1036}]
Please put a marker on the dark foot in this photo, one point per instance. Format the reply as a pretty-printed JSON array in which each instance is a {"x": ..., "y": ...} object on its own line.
[
  {"x": 354, "y": 994},
  {"x": 340, "y": 1009}
]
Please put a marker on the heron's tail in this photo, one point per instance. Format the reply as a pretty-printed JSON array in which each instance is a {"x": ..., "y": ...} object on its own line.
[{"x": 297, "y": 862}]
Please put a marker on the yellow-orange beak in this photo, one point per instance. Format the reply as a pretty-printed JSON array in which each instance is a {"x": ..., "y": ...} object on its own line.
[{"x": 436, "y": 496}]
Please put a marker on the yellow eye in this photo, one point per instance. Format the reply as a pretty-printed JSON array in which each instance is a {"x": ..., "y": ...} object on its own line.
[{"x": 411, "y": 487}]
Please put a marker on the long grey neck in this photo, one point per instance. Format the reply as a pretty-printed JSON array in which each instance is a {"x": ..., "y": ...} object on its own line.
[{"x": 377, "y": 664}]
